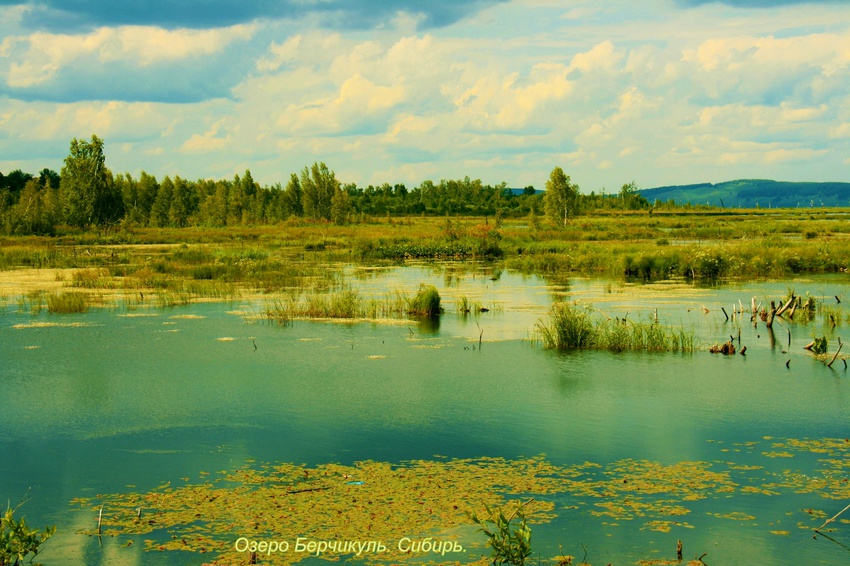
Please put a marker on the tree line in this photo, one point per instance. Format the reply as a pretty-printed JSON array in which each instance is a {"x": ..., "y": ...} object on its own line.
[{"x": 87, "y": 194}]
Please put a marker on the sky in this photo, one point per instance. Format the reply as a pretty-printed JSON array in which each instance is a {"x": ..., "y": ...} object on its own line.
[{"x": 657, "y": 92}]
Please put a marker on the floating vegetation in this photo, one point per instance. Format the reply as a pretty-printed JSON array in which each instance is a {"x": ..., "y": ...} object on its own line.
[
  {"x": 572, "y": 327},
  {"x": 368, "y": 500},
  {"x": 138, "y": 315},
  {"x": 420, "y": 251},
  {"x": 53, "y": 325},
  {"x": 386, "y": 502}
]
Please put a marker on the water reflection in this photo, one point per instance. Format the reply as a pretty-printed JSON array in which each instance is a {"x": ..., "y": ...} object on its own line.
[{"x": 132, "y": 401}]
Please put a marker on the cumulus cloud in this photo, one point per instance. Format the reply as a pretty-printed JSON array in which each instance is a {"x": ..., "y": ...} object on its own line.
[
  {"x": 41, "y": 55},
  {"x": 209, "y": 141},
  {"x": 60, "y": 14},
  {"x": 658, "y": 97},
  {"x": 126, "y": 63}
]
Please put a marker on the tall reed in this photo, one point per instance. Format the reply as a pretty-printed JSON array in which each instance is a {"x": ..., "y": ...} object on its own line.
[{"x": 572, "y": 327}]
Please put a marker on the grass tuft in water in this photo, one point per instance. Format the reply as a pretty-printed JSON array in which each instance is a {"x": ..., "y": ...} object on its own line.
[
  {"x": 67, "y": 302},
  {"x": 572, "y": 327},
  {"x": 426, "y": 302}
]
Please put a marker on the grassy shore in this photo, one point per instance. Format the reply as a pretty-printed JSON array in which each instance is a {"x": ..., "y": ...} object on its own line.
[{"x": 184, "y": 264}]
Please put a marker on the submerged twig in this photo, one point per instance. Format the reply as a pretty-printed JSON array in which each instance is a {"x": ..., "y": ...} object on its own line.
[{"x": 828, "y": 521}]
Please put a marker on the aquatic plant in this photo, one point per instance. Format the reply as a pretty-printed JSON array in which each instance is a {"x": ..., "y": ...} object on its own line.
[
  {"x": 67, "y": 302},
  {"x": 426, "y": 302},
  {"x": 573, "y": 327},
  {"x": 343, "y": 303},
  {"x": 510, "y": 545},
  {"x": 568, "y": 328},
  {"x": 17, "y": 540},
  {"x": 437, "y": 498},
  {"x": 819, "y": 345}
]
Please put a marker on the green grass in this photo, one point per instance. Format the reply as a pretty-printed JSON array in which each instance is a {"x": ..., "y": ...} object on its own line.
[
  {"x": 426, "y": 302},
  {"x": 218, "y": 263},
  {"x": 573, "y": 327},
  {"x": 67, "y": 302},
  {"x": 339, "y": 304}
]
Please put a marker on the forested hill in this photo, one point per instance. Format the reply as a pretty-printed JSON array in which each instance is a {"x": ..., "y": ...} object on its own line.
[{"x": 751, "y": 193}]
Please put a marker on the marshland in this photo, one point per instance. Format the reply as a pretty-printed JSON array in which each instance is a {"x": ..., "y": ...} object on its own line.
[{"x": 386, "y": 378}]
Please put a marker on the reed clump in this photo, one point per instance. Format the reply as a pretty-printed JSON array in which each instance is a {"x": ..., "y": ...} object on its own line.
[
  {"x": 67, "y": 302},
  {"x": 573, "y": 327},
  {"x": 426, "y": 302},
  {"x": 341, "y": 304}
]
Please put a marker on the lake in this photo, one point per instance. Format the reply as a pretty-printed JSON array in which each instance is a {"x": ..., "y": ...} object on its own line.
[{"x": 119, "y": 401}]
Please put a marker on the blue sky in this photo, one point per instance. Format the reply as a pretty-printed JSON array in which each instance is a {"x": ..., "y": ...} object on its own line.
[{"x": 656, "y": 91}]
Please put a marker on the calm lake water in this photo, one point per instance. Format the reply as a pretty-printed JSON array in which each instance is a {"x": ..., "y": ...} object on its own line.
[{"x": 99, "y": 402}]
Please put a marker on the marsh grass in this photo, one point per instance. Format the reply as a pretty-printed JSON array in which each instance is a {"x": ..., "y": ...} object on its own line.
[
  {"x": 94, "y": 278},
  {"x": 32, "y": 302},
  {"x": 339, "y": 304},
  {"x": 573, "y": 327},
  {"x": 426, "y": 302},
  {"x": 217, "y": 263},
  {"x": 67, "y": 302},
  {"x": 170, "y": 299}
]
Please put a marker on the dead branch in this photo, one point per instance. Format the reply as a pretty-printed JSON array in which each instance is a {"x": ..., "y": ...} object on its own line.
[
  {"x": 828, "y": 521},
  {"x": 832, "y": 361}
]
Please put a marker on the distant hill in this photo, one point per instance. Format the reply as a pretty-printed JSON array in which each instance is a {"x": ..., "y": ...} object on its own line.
[{"x": 750, "y": 193}]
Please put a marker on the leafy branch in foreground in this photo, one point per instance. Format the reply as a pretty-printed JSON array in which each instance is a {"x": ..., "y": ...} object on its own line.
[
  {"x": 17, "y": 540},
  {"x": 511, "y": 546}
]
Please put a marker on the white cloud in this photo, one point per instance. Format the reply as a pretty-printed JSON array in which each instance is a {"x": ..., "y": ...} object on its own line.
[
  {"x": 610, "y": 93},
  {"x": 358, "y": 98},
  {"x": 840, "y": 131},
  {"x": 46, "y": 121},
  {"x": 43, "y": 54},
  {"x": 209, "y": 142}
]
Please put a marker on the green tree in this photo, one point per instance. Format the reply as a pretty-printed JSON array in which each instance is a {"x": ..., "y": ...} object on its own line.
[
  {"x": 214, "y": 208},
  {"x": 341, "y": 207},
  {"x": 36, "y": 209},
  {"x": 161, "y": 208},
  {"x": 318, "y": 187},
  {"x": 86, "y": 188},
  {"x": 561, "y": 197},
  {"x": 182, "y": 203},
  {"x": 292, "y": 198},
  {"x": 631, "y": 198},
  {"x": 146, "y": 192}
]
